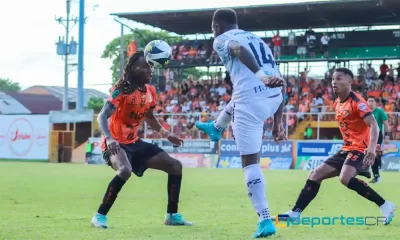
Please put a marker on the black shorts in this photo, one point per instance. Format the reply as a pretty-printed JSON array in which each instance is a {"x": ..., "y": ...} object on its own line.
[
  {"x": 351, "y": 158},
  {"x": 139, "y": 153},
  {"x": 88, "y": 154}
]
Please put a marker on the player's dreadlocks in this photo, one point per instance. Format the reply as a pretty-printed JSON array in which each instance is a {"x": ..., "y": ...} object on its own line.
[{"x": 125, "y": 84}]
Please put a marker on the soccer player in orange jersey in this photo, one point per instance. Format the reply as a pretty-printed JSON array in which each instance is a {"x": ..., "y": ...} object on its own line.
[
  {"x": 131, "y": 102},
  {"x": 360, "y": 134}
]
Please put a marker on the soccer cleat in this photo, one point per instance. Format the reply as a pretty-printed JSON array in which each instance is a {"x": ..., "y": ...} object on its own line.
[
  {"x": 287, "y": 216},
  {"x": 375, "y": 180},
  {"x": 176, "y": 219},
  {"x": 99, "y": 221},
  {"x": 388, "y": 209},
  {"x": 210, "y": 130},
  {"x": 265, "y": 228}
]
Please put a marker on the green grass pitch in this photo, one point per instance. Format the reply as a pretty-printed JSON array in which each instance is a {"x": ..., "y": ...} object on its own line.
[{"x": 56, "y": 201}]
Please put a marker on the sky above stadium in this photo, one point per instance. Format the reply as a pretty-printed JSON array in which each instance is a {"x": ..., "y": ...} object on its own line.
[{"x": 29, "y": 33}]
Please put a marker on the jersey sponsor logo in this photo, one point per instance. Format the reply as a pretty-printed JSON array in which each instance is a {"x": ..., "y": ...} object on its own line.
[
  {"x": 116, "y": 93},
  {"x": 362, "y": 107},
  {"x": 137, "y": 116}
]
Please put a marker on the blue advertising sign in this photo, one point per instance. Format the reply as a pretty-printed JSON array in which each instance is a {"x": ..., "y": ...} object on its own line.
[
  {"x": 311, "y": 148},
  {"x": 274, "y": 163},
  {"x": 268, "y": 149},
  {"x": 318, "y": 148},
  {"x": 229, "y": 162}
]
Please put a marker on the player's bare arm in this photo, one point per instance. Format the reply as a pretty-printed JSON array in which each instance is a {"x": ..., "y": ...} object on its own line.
[
  {"x": 156, "y": 126},
  {"x": 248, "y": 59},
  {"x": 374, "y": 134},
  {"x": 106, "y": 112}
]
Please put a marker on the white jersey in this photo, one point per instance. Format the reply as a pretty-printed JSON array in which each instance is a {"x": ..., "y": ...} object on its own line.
[{"x": 245, "y": 82}]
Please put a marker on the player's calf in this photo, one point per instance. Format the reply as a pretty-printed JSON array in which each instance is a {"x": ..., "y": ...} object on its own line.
[{"x": 120, "y": 163}]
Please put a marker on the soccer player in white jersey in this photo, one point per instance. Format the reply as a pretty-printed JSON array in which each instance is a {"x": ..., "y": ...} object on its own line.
[{"x": 258, "y": 95}]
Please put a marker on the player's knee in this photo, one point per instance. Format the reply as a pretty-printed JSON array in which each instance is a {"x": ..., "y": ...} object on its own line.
[
  {"x": 344, "y": 179},
  {"x": 176, "y": 167},
  {"x": 125, "y": 172},
  {"x": 315, "y": 176}
]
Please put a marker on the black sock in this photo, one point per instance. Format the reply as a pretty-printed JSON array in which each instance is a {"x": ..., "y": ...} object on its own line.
[
  {"x": 111, "y": 194},
  {"x": 174, "y": 188},
  {"x": 375, "y": 167},
  {"x": 364, "y": 190},
  {"x": 307, "y": 194}
]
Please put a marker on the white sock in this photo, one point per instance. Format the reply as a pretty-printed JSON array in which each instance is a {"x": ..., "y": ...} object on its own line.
[
  {"x": 224, "y": 118},
  {"x": 256, "y": 190}
]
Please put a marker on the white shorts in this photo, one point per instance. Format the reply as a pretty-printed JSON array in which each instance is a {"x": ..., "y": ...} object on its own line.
[{"x": 248, "y": 122}]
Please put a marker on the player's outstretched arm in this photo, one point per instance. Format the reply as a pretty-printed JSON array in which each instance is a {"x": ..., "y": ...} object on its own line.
[
  {"x": 374, "y": 131},
  {"x": 105, "y": 113}
]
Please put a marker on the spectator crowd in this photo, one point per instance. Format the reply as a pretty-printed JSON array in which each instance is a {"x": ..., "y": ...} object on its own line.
[{"x": 180, "y": 105}]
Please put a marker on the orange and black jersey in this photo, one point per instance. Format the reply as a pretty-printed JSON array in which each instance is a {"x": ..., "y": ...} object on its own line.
[
  {"x": 129, "y": 113},
  {"x": 350, "y": 115}
]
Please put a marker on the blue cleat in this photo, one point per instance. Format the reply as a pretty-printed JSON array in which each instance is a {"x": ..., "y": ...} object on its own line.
[
  {"x": 210, "y": 130},
  {"x": 265, "y": 228},
  {"x": 99, "y": 221},
  {"x": 176, "y": 219}
]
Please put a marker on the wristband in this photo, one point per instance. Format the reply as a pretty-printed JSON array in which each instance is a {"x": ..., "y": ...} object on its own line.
[
  {"x": 387, "y": 134},
  {"x": 164, "y": 133},
  {"x": 260, "y": 73}
]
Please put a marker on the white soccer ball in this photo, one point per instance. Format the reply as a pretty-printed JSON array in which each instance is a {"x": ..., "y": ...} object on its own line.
[{"x": 157, "y": 53}]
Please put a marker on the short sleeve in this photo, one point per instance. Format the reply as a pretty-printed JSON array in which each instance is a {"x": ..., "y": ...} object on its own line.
[
  {"x": 116, "y": 97},
  {"x": 221, "y": 46},
  {"x": 153, "y": 96},
  {"x": 384, "y": 115},
  {"x": 362, "y": 109}
]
